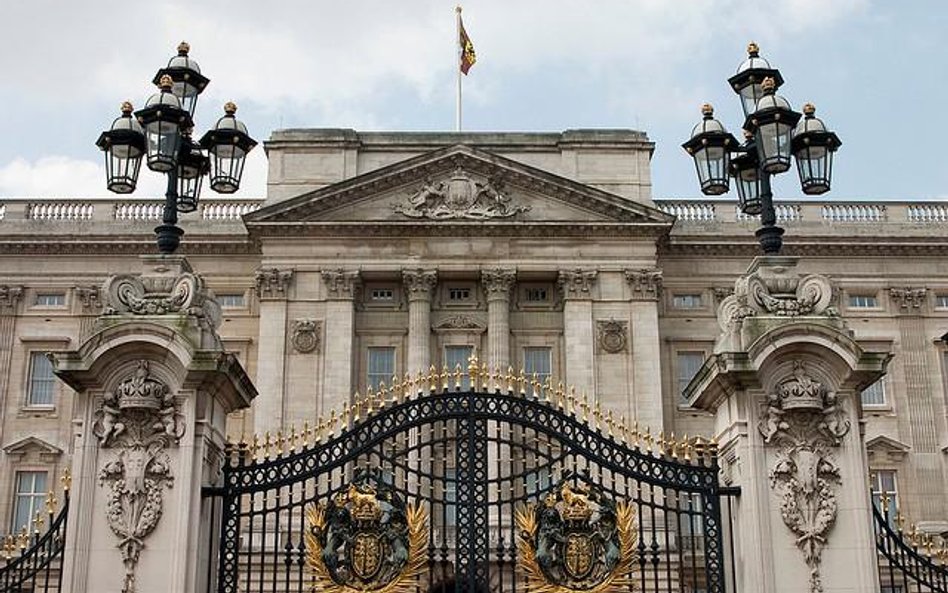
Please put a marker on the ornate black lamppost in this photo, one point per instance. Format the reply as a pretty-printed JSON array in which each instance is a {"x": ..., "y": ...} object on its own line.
[
  {"x": 773, "y": 132},
  {"x": 161, "y": 132}
]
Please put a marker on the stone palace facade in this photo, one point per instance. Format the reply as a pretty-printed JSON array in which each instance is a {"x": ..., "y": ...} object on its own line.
[{"x": 376, "y": 254}]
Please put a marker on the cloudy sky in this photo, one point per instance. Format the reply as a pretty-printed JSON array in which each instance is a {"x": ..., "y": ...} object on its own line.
[{"x": 876, "y": 69}]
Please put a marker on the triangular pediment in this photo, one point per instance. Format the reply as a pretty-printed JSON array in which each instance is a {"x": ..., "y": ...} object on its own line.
[
  {"x": 33, "y": 445},
  {"x": 459, "y": 184},
  {"x": 886, "y": 444}
]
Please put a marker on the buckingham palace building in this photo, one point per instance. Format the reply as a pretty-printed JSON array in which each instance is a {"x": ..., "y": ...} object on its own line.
[{"x": 381, "y": 255}]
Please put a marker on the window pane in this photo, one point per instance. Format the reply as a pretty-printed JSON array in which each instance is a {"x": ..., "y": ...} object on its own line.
[
  {"x": 689, "y": 363},
  {"x": 686, "y": 301},
  {"x": 381, "y": 367},
  {"x": 30, "y": 496},
  {"x": 51, "y": 300},
  {"x": 883, "y": 485},
  {"x": 231, "y": 300},
  {"x": 42, "y": 380},
  {"x": 539, "y": 361},
  {"x": 450, "y": 497},
  {"x": 862, "y": 301},
  {"x": 874, "y": 395},
  {"x": 459, "y": 356}
]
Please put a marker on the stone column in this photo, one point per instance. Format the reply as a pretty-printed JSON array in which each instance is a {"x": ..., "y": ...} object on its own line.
[
  {"x": 90, "y": 304},
  {"x": 9, "y": 298},
  {"x": 419, "y": 285},
  {"x": 342, "y": 287},
  {"x": 497, "y": 284},
  {"x": 920, "y": 412},
  {"x": 577, "y": 287},
  {"x": 153, "y": 389},
  {"x": 645, "y": 288},
  {"x": 273, "y": 286},
  {"x": 784, "y": 383}
]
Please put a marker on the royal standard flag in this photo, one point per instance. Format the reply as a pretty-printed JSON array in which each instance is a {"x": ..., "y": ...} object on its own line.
[{"x": 468, "y": 57}]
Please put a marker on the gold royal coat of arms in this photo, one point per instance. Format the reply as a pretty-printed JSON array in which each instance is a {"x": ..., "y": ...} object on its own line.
[
  {"x": 366, "y": 539},
  {"x": 577, "y": 539}
]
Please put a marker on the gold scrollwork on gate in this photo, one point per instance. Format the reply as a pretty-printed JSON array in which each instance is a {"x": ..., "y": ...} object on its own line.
[
  {"x": 576, "y": 540},
  {"x": 366, "y": 539}
]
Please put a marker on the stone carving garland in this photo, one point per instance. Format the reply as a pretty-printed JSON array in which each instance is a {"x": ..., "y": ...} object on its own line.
[
  {"x": 139, "y": 421},
  {"x": 459, "y": 197},
  {"x": 806, "y": 422},
  {"x": 306, "y": 334}
]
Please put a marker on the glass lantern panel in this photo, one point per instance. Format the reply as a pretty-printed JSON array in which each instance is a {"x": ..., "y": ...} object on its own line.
[
  {"x": 773, "y": 144},
  {"x": 121, "y": 172},
  {"x": 749, "y": 96},
  {"x": 226, "y": 172},
  {"x": 163, "y": 139}
]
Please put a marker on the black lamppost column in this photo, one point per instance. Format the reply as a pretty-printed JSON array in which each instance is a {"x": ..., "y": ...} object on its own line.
[
  {"x": 773, "y": 133},
  {"x": 161, "y": 132}
]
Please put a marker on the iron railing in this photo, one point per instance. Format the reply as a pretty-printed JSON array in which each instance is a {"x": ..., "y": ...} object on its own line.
[
  {"x": 34, "y": 559},
  {"x": 909, "y": 561}
]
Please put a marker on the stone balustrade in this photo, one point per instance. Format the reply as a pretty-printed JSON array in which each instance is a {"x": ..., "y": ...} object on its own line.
[
  {"x": 700, "y": 211},
  {"x": 75, "y": 209}
]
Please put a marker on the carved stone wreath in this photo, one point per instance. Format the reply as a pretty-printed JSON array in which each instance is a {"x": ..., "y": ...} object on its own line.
[
  {"x": 139, "y": 420},
  {"x": 612, "y": 335},
  {"x": 306, "y": 335}
]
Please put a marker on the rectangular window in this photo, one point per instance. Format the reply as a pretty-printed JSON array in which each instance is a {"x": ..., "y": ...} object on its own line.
[
  {"x": 941, "y": 301},
  {"x": 536, "y": 294},
  {"x": 29, "y": 498},
  {"x": 56, "y": 299},
  {"x": 689, "y": 363},
  {"x": 381, "y": 367},
  {"x": 459, "y": 356},
  {"x": 42, "y": 380},
  {"x": 538, "y": 361},
  {"x": 863, "y": 301},
  {"x": 874, "y": 395},
  {"x": 459, "y": 294},
  {"x": 883, "y": 486},
  {"x": 385, "y": 295},
  {"x": 231, "y": 301},
  {"x": 686, "y": 301}
]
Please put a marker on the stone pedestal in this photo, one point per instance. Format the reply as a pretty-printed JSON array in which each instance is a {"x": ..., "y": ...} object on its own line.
[
  {"x": 784, "y": 383},
  {"x": 153, "y": 390}
]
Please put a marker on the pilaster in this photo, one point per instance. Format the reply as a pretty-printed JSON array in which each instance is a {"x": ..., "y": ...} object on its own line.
[
  {"x": 9, "y": 300},
  {"x": 272, "y": 288},
  {"x": 498, "y": 283},
  {"x": 341, "y": 289},
  {"x": 419, "y": 285},
  {"x": 645, "y": 288},
  {"x": 578, "y": 286}
]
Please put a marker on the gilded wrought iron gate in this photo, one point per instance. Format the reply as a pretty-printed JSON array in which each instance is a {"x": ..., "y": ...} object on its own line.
[{"x": 470, "y": 482}]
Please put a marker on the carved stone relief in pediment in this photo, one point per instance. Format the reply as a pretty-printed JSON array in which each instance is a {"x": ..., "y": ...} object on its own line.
[{"x": 459, "y": 197}]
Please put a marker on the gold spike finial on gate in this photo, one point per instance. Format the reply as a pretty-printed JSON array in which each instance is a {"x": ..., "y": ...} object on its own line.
[
  {"x": 647, "y": 439},
  {"x": 294, "y": 438},
  {"x": 445, "y": 379},
  {"x": 307, "y": 432},
  {"x": 609, "y": 422},
  {"x": 511, "y": 379},
  {"x": 382, "y": 395},
  {"x": 585, "y": 406},
  {"x": 433, "y": 378},
  {"x": 686, "y": 447},
  {"x": 458, "y": 375},
  {"x": 485, "y": 376},
  {"x": 24, "y": 539},
  {"x": 331, "y": 424},
  {"x": 419, "y": 383},
  {"x": 472, "y": 370}
]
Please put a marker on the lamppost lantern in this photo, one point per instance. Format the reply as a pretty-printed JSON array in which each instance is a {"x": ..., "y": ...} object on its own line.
[
  {"x": 750, "y": 76},
  {"x": 187, "y": 80},
  {"x": 163, "y": 119},
  {"x": 710, "y": 145},
  {"x": 772, "y": 133},
  {"x": 772, "y": 125},
  {"x": 813, "y": 147},
  {"x": 228, "y": 143},
  {"x": 123, "y": 145},
  {"x": 161, "y": 131}
]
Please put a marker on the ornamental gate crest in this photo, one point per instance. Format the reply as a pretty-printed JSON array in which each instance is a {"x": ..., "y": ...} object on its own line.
[{"x": 469, "y": 480}]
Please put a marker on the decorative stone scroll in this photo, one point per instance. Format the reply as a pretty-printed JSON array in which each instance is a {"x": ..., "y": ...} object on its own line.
[
  {"x": 272, "y": 282},
  {"x": 153, "y": 294},
  {"x": 577, "y": 284},
  {"x": 646, "y": 284},
  {"x": 805, "y": 421},
  {"x": 306, "y": 336},
  {"x": 612, "y": 336},
  {"x": 577, "y": 539},
  {"x": 776, "y": 289},
  {"x": 460, "y": 197},
  {"x": 908, "y": 299},
  {"x": 139, "y": 420}
]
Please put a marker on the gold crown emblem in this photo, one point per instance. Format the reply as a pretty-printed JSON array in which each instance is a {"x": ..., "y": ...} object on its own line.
[
  {"x": 365, "y": 506},
  {"x": 575, "y": 505}
]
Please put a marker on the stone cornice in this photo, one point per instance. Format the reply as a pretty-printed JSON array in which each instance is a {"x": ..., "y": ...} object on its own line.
[
  {"x": 386, "y": 229},
  {"x": 746, "y": 245}
]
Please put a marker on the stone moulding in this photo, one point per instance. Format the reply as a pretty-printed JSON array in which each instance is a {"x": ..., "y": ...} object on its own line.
[
  {"x": 805, "y": 421},
  {"x": 139, "y": 420}
]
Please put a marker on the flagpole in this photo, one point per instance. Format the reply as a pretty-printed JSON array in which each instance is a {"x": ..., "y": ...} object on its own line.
[{"x": 457, "y": 67}]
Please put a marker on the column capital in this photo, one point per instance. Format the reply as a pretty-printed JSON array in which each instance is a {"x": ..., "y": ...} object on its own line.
[
  {"x": 9, "y": 296},
  {"x": 272, "y": 283},
  {"x": 341, "y": 284},
  {"x": 498, "y": 282},
  {"x": 910, "y": 300},
  {"x": 646, "y": 284},
  {"x": 419, "y": 283},
  {"x": 577, "y": 284},
  {"x": 89, "y": 298}
]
